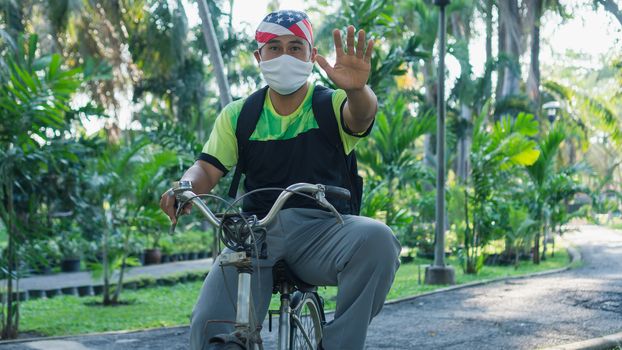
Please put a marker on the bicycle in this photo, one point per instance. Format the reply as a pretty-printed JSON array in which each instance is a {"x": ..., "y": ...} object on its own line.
[{"x": 301, "y": 313}]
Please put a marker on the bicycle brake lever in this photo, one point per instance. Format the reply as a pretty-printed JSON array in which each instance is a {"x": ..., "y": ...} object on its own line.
[
  {"x": 320, "y": 196},
  {"x": 172, "y": 229}
]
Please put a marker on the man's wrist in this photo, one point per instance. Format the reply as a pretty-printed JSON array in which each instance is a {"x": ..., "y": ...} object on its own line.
[{"x": 356, "y": 91}]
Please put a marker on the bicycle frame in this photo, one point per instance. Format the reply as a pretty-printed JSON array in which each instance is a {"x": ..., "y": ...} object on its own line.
[{"x": 244, "y": 317}]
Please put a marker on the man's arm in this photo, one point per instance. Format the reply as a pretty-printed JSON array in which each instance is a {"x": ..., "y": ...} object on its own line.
[
  {"x": 350, "y": 73},
  {"x": 360, "y": 109},
  {"x": 204, "y": 177}
]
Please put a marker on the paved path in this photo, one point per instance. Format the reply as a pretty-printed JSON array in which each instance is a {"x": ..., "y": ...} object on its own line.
[
  {"x": 518, "y": 314},
  {"x": 76, "y": 279}
]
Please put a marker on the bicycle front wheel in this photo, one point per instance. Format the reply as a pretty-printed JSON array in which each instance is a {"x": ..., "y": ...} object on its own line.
[{"x": 306, "y": 323}]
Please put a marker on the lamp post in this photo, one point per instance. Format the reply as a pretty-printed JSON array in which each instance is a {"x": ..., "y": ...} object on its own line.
[
  {"x": 439, "y": 273},
  {"x": 551, "y": 109}
]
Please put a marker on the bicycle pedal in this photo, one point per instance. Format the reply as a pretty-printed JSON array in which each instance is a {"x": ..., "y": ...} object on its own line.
[{"x": 270, "y": 314}]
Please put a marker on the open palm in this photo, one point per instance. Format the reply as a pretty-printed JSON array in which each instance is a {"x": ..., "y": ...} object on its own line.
[{"x": 352, "y": 66}]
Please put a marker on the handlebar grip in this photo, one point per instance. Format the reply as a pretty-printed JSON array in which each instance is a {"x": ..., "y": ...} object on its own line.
[{"x": 337, "y": 192}]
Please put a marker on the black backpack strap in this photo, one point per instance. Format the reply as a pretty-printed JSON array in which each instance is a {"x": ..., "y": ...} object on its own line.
[
  {"x": 247, "y": 121},
  {"x": 324, "y": 113}
]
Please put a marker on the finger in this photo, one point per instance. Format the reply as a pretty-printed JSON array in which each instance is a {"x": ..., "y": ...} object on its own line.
[
  {"x": 168, "y": 207},
  {"x": 187, "y": 209},
  {"x": 350, "y": 40},
  {"x": 323, "y": 63},
  {"x": 368, "y": 52},
  {"x": 360, "y": 44},
  {"x": 338, "y": 42}
]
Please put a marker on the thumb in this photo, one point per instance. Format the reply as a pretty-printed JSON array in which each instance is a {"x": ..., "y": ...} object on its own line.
[{"x": 324, "y": 64}]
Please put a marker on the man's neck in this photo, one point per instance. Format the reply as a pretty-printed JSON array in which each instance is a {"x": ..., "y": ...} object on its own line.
[{"x": 286, "y": 105}]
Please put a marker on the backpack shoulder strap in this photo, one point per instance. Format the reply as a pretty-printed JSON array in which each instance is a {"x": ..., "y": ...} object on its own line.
[
  {"x": 247, "y": 121},
  {"x": 322, "y": 103},
  {"x": 327, "y": 121}
]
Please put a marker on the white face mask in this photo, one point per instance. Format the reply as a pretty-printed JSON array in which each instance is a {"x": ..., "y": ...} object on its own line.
[{"x": 285, "y": 74}]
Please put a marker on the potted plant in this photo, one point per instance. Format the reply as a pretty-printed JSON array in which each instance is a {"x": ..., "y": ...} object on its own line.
[
  {"x": 71, "y": 245},
  {"x": 151, "y": 223},
  {"x": 166, "y": 247},
  {"x": 153, "y": 254},
  {"x": 42, "y": 255}
]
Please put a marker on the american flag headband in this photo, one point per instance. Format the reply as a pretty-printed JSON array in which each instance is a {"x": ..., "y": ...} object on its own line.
[{"x": 284, "y": 23}]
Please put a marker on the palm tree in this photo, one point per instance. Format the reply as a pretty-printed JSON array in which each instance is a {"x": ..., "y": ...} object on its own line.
[
  {"x": 127, "y": 180},
  {"x": 496, "y": 152},
  {"x": 34, "y": 95},
  {"x": 541, "y": 173},
  {"x": 389, "y": 153}
]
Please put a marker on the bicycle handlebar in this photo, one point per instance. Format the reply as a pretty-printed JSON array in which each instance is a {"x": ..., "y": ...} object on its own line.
[{"x": 183, "y": 193}]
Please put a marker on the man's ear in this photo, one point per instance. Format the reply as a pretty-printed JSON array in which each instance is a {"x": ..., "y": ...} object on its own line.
[
  {"x": 257, "y": 56},
  {"x": 313, "y": 54}
]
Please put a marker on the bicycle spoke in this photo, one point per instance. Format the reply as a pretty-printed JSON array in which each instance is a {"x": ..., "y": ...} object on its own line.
[{"x": 306, "y": 324}]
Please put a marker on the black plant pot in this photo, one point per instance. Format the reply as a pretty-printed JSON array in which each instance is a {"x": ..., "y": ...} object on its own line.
[
  {"x": 407, "y": 259},
  {"x": 51, "y": 293},
  {"x": 70, "y": 265},
  {"x": 36, "y": 294},
  {"x": 70, "y": 291},
  {"x": 152, "y": 256},
  {"x": 85, "y": 291},
  {"x": 98, "y": 290}
]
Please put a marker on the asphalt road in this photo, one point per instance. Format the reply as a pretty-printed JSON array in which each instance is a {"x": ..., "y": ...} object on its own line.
[{"x": 518, "y": 314}]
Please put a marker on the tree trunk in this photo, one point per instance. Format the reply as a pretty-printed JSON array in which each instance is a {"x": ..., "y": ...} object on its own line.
[
  {"x": 214, "y": 52},
  {"x": 536, "y": 243},
  {"x": 429, "y": 141},
  {"x": 118, "y": 290},
  {"x": 533, "y": 81},
  {"x": 501, "y": 49},
  {"x": 464, "y": 144},
  {"x": 489, "y": 58},
  {"x": 463, "y": 148},
  {"x": 10, "y": 330},
  {"x": 536, "y": 248},
  {"x": 105, "y": 263},
  {"x": 545, "y": 237},
  {"x": 611, "y": 7},
  {"x": 510, "y": 18},
  {"x": 391, "y": 198}
]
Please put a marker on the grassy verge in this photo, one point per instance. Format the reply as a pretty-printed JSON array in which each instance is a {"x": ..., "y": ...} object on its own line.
[{"x": 171, "y": 306}]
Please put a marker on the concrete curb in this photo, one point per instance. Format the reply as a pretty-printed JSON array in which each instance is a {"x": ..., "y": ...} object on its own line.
[
  {"x": 603, "y": 343},
  {"x": 61, "y": 337},
  {"x": 574, "y": 254}
]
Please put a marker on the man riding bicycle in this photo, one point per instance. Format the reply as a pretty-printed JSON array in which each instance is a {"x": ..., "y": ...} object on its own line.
[{"x": 290, "y": 143}]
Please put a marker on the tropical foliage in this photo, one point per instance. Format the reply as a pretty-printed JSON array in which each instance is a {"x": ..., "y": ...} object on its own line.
[{"x": 113, "y": 99}]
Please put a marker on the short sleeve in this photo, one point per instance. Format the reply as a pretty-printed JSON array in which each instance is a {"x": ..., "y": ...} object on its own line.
[
  {"x": 348, "y": 138},
  {"x": 221, "y": 148}
]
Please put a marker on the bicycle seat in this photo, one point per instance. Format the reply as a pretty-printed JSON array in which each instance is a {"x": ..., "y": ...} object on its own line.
[{"x": 281, "y": 273}]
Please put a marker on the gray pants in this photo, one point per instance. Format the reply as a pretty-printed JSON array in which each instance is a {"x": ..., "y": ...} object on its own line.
[{"x": 360, "y": 257}]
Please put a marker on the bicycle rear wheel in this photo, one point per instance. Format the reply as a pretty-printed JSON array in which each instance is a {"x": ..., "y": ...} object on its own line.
[{"x": 306, "y": 323}]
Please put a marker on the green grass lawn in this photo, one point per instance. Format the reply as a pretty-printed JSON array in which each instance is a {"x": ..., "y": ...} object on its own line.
[{"x": 171, "y": 306}]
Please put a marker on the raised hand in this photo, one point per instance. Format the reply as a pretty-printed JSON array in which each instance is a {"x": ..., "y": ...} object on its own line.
[{"x": 352, "y": 66}]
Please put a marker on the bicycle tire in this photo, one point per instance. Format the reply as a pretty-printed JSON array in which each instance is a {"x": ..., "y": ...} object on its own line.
[
  {"x": 226, "y": 346},
  {"x": 308, "y": 314}
]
